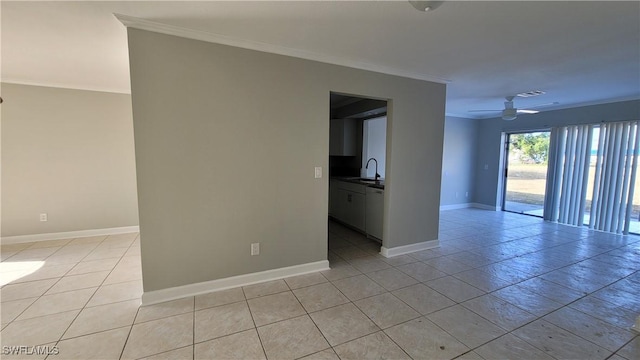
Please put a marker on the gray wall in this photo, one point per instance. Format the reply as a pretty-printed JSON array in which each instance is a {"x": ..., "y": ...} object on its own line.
[
  {"x": 67, "y": 153},
  {"x": 226, "y": 144},
  {"x": 459, "y": 160},
  {"x": 489, "y": 144}
]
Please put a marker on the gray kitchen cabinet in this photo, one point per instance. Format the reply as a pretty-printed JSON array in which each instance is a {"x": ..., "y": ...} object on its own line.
[
  {"x": 342, "y": 137},
  {"x": 357, "y": 214},
  {"x": 333, "y": 197},
  {"x": 348, "y": 203},
  {"x": 374, "y": 212},
  {"x": 342, "y": 206}
]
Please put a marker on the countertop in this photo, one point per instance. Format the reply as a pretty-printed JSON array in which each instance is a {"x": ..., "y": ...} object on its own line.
[{"x": 370, "y": 182}]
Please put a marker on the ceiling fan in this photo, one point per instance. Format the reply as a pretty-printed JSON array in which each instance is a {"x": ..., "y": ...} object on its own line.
[{"x": 510, "y": 113}]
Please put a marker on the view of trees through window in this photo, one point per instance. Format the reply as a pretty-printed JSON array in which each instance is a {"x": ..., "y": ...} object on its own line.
[
  {"x": 531, "y": 147},
  {"x": 527, "y": 172}
]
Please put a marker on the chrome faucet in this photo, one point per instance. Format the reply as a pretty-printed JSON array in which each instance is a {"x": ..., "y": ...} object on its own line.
[{"x": 367, "y": 166}]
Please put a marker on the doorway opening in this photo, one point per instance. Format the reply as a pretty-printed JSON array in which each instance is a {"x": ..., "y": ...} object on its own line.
[
  {"x": 525, "y": 173},
  {"x": 357, "y": 162}
]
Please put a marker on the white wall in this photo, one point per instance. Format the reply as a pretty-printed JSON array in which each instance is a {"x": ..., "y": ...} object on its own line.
[
  {"x": 459, "y": 161},
  {"x": 67, "y": 153},
  {"x": 226, "y": 144}
]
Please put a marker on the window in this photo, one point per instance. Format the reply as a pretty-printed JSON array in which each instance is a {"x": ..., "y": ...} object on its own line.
[{"x": 374, "y": 145}]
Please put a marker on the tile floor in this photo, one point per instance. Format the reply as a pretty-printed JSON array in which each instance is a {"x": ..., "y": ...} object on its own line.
[{"x": 501, "y": 286}]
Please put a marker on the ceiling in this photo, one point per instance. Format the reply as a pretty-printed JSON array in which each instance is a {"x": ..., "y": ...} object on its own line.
[
  {"x": 578, "y": 52},
  {"x": 352, "y": 107}
]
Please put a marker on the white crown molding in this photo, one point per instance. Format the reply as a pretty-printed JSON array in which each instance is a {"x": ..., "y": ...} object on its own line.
[
  {"x": 65, "y": 86},
  {"x": 19, "y": 239},
  {"x": 594, "y": 102},
  {"x": 178, "y": 292},
  {"x": 142, "y": 24},
  {"x": 406, "y": 249}
]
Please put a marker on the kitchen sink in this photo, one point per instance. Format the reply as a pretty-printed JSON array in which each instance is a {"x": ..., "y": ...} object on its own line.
[{"x": 366, "y": 181}]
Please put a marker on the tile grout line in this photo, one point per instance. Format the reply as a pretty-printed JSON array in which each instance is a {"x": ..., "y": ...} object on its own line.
[
  {"x": 255, "y": 327},
  {"x": 193, "y": 327},
  {"x": 308, "y": 315},
  {"x": 386, "y": 291},
  {"x": 126, "y": 341},
  {"x": 537, "y": 317},
  {"x": 49, "y": 288},
  {"x": 80, "y": 310},
  {"x": 91, "y": 297},
  {"x": 541, "y": 317}
]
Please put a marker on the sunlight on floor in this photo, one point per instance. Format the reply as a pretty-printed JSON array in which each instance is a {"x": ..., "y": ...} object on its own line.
[{"x": 12, "y": 271}]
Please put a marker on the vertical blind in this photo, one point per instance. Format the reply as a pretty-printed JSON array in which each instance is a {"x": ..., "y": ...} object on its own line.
[
  {"x": 613, "y": 177},
  {"x": 568, "y": 170}
]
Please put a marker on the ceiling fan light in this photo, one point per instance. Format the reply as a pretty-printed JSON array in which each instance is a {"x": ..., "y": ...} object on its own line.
[{"x": 509, "y": 114}]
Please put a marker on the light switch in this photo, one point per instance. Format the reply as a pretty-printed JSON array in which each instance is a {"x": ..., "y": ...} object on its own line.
[
  {"x": 486, "y": 166},
  {"x": 318, "y": 172}
]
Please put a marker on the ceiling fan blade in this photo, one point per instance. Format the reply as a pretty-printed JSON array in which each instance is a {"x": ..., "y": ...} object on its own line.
[
  {"x": 526, "y": 111},
  {"x": 545, "y": 104},
  {"x": 484, "y": 110}
]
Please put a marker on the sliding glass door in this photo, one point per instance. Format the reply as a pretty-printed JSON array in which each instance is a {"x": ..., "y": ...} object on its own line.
[
  {"x": 576, "y": 175},
  {"x": 525, "y": 172},
  {"x": 593, "y": 176},
  {"x": 634, "y": 217}
]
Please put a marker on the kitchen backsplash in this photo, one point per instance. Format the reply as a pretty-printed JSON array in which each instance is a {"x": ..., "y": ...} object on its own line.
[{"x": 344, "y": 166}]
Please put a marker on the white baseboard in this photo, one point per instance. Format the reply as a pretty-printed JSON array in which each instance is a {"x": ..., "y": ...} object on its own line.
[
  {"x": 68, "y": 235},
  {"x": 406, "y": 249},
  {"x": 455, "y": 206},
  {"x": 486, "y": 207},
  {"x": 178, "y": 292},
  {"x": 469, "y": 205}
]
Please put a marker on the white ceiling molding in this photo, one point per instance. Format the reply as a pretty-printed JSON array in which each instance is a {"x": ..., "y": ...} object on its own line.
[
  {"x": 65, "y": 86},
  {"x": 142, "y": 24}
]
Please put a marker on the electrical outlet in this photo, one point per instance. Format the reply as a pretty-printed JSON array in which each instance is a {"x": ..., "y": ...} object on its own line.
[
  {"x": 318, "y": 172},
  {"x": 255, "y": 249},
  {"x": 43, "y": 217}
]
